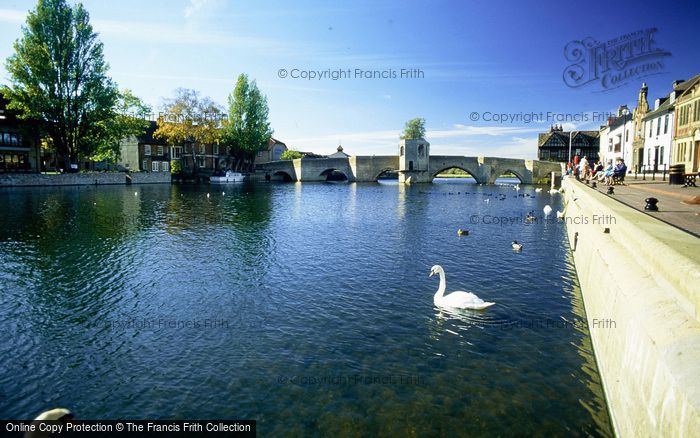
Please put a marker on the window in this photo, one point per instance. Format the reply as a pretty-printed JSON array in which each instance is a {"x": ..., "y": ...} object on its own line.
[
  {"x": 147, "y": 149},
  {"x": 154, "y": 166},
  {"x": 216, "y": 149},
  {"x": 627, "y": 135},
  {"x": 200, "y": 161},
  {"x": 165, "y": 166},
  {"x": 176, "y": 151},
  {"x": 658, "y": 127},
  {"x": 401, "y": 151},
  {"x": 651, "y": 125},
  {"x": 202, "y": 150},
  {"x": 144, "y": 165},
  {"x": 160, "y": 150},
  {"x": 696, "y": 111},
  {"x": 661, "y": 152},
  {"x": 666, "y": 124},
  {"x": 610, "y": 145},
  {"x": 421, "y": 150}
]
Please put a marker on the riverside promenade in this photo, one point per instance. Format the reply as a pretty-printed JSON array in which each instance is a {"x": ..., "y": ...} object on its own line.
[
  {"x": 672, "y": 208},
  {"x": 641, "y": 270}
]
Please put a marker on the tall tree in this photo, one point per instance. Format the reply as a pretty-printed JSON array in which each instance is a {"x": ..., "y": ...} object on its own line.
[
  {"x": 190, "y": 119},
  {"x": 414, "y": 129},
  {"x": 247, "y": 130},
  {"x": 58, "y": 76},
  {"x": 129, "y": 119}
]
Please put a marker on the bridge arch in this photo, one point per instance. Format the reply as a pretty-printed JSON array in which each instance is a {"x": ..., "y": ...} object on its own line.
[
  {"x": 499, "y": 174},
  {"x": 283, "y": 176},
  {"x": 519, "y": 170},
  {"x": 460, "y": 167},
  {"x": 333, "y": 174},
  {"x": 385, "y": 171}
]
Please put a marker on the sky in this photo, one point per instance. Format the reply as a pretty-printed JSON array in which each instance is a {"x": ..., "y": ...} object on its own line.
[{"x": 470, "y": 62}]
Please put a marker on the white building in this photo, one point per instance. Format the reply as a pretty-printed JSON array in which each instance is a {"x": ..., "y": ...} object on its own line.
[
  {"x": 616, "y": 137},
  {"x": 658, "y": 134}
]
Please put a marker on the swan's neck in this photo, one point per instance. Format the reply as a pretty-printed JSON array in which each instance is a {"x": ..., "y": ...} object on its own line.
[{"x": 441, "y": 290}]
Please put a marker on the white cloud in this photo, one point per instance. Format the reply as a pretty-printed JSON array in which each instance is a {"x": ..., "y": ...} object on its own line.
[
  {"x": 12, "y": 16},
  {"x": 197, "y": 7}
]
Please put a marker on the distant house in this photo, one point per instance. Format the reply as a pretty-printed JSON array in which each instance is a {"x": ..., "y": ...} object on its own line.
[
  {"x": 617, "y": 136},
  {"x": 686, "y": 137},
  {"x": 147, "y": 153},
  {"x": 20, "y": 146},
  {"x": 274, "y": 151},
  {"x": 657, "y": 129},
  {"x": 554, "y": 145},
  {"x": 339, "y": 153}
]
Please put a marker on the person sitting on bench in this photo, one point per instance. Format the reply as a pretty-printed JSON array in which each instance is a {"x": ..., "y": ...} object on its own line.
[
  {"x": 606, "y": 174},
  {"x": 619, "y": 172}
]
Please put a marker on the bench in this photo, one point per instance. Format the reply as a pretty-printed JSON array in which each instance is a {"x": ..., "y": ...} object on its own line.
[{"x": 619, "y": 179}]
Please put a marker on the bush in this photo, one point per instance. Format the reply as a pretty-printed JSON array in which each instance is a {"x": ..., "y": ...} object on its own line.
[
  {"x": 175, "y": 166},
  {"x": 290, "y": 155}
]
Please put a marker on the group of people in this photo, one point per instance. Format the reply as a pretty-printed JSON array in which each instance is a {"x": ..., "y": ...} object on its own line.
[{"x": 605, "y": 173}]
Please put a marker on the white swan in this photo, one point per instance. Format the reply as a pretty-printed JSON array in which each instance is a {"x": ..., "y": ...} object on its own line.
[
  {"x": 457, "y": 299},
  {"x": 560, "y": 214},
  {"x": 539, "y": 189},
  {"x": 54, "y": 414},
  {"x": 554, "y": 192},
  {"x": 58, "y": 414},
  {"x": 516, "y": 246},
  {"x": 517, "y": 187},
  {"x": 547, "y": 210}
]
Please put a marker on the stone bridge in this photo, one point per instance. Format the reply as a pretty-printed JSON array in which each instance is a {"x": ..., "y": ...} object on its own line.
[{"x": 368, "y": 168}]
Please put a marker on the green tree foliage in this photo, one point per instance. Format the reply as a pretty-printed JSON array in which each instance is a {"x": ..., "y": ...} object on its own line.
[
  {"x": 175, "y": 167},
  {"x": 58, "y": 76},
  {"x": 414, "y": 129},
  {"x": 190, "y": 119},
  {"x": 290, "y": 155},
  {"x": 247, "y": 130},
  {"x": 129, "y": 119}
]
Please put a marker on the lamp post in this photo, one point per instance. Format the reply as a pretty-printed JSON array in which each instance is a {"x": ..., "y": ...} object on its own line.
[
  {"x": 625, "y": 113},
  {"x": 571, "y": 134}
]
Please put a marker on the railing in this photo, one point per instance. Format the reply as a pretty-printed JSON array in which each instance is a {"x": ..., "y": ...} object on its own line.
[{"x": 641, "y": 169}]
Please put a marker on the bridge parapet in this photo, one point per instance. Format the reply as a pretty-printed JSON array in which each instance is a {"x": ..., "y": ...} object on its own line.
[{"x": 368, "y": 168}]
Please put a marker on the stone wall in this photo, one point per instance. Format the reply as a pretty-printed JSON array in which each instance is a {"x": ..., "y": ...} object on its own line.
[
  {"x": 639, "y": 279},
  {"x": 80, "y": 179}
]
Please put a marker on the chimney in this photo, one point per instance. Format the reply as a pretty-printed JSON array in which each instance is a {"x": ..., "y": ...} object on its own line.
[
  {"x": 678, "y": 82},
  {"x": 657, "y": 102}
]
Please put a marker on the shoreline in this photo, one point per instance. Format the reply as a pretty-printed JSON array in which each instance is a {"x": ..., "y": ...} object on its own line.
[{"x": 642, "y": 274}]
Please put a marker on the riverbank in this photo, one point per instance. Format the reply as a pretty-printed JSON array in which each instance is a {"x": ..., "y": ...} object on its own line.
[
  {"x": 639, "y": 280},
  {"x": 82, "y": 179}
]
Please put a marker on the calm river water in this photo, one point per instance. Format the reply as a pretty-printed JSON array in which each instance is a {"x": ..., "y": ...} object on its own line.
[{"x": 306, "y": 307}]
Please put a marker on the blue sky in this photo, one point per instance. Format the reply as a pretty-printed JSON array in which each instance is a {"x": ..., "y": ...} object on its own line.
[{"x": 476, "y": 57}]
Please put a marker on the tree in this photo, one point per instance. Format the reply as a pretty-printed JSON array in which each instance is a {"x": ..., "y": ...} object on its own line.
[
  {"x": 414, "y": 129},
  {"x": 128, "y": 119},
  {"x": 291, "y": 155},
  {"x": 189, "y": 118},
  {"x": 247, "y": 130},
  {"x": 58, "y": 76}
]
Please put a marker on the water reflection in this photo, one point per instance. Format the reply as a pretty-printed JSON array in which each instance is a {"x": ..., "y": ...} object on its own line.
[{"x": 321, "y": 281}]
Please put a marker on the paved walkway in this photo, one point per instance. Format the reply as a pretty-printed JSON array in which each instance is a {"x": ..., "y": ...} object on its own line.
[{"x": 671, "y": 208}]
